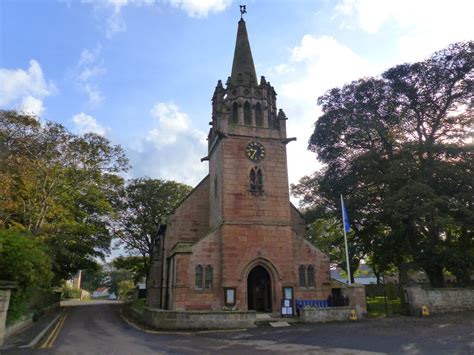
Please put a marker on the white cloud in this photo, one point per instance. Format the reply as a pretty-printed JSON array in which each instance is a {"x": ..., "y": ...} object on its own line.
[
  {"x": 32, "y": 106},
  {"x": 317, "y": 65},
  {"x": 172, "y": 149},
  {"x": 422, "y": 26},
  {"x": 85, "y": 123},
  {"x": 90, "y": 67},
  {"x": 112, "y": 11},
  {"x": 201, "y": 8},
  {"x": 172, "y": 123},
  {"x": 94, "y": 94},
  {"x": 25, "y": 89},
  {"x": 279, "y": 69},
  {"x": 321, "y": 63}
]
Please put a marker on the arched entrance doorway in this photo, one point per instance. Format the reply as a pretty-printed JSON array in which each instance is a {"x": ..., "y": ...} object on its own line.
[{"x": 259, "y": 290}]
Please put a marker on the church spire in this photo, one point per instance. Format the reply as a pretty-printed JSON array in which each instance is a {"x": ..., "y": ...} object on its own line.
[{"x": 243, "y": 69}]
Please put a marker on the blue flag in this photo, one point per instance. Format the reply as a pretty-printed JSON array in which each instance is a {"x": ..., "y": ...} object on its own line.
[{"x": 345, "y": 218}]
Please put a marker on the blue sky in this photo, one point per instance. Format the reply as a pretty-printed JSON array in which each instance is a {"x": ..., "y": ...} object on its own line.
[{"x": 142, "y": 72}]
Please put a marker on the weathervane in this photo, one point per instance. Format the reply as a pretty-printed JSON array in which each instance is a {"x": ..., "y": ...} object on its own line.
[{"x": 243, "y": 10}]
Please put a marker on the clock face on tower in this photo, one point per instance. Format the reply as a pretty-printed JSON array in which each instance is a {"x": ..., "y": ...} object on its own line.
[{"x": 255, "y": 151}]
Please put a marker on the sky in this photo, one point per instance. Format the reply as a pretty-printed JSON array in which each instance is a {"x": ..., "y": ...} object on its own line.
[{"x": 142, "y": 72}]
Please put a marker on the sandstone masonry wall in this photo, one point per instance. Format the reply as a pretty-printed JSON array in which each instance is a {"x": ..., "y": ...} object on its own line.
[{"x": 439, "y": 300}]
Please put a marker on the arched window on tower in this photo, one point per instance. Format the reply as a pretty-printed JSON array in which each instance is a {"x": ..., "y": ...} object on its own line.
[
  {"x": 271, "y": 118},
  {"x": 258, "y": 115},
  {"x": 276, "y": 121},
  {"x": 259, "y": 180},
  {"x": 234, "y": 119},
  {"x": 247, "y": 114},
  {"x": 256, "y": 181}
]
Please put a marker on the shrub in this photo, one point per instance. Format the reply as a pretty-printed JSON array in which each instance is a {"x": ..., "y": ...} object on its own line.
[
  {"x": 24, "y": 260},
  {"x": 125, "y": 289},
  {"x": 68, "y": 293}
]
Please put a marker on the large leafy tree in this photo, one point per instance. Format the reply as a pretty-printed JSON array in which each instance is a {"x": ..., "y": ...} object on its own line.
[
  {"x": 133, "y": 263},
  {"x": 58, "y": 186},
  {"x": 325, "y": 233},
  {"x": 398, "y": 147},
  {"x": 144, "y": 205}
]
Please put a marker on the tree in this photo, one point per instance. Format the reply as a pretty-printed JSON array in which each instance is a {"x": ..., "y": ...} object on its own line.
[
  {"x": 327, "y": 235},
  {"x": 133, "y": 263},
  {"x": 125, "y": 289},
  {"x": 397, "y": 148},
  {"x": 58, "y": 186},
  {"x": 93, "y": 277},
  {"x": 24, "y": 260},
  {"x": 116, "y": 276},
  {"x": 144, "y": 205}
]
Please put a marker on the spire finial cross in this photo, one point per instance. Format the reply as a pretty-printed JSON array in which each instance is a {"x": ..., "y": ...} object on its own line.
[{"x": 243, "y": 10}]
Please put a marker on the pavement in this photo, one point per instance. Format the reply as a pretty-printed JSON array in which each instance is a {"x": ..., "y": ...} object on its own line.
[
  {"x": 98, "y": 328},
  {"x": 26, "y": 337}
]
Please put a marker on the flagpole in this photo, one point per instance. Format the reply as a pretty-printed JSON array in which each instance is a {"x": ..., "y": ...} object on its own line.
[{"x": 345, "y": 242}]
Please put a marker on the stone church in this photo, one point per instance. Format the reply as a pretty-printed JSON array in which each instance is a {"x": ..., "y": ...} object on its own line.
[{"x": 236, "y": 241}]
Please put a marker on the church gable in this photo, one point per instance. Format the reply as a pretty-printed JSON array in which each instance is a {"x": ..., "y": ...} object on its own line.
[
  {"x": 298, "y": 223},
  {"x": 190, "y": 220},
  {"x": 311, "y": 269}
]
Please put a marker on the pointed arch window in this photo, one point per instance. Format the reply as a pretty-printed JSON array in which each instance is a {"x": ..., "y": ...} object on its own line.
[
  {"x": 256, "y": 180},
  {"x": 270, "y": 120},
  {"x": 247, "y": 114},
  {"x": 258, "y": 115},
  {"x": 208, "y": 277},
  {"x": 302, "y": 275},
  {"x": 276, "y": 121},
  {"x": 306, "y": 276},
  {"x": 310, "y": 275},
  {"x": 198, "y": 277},
  {"x": 234, "y": 119}
]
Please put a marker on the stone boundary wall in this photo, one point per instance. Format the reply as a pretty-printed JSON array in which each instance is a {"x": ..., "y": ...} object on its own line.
[
  {"x": 26, "y": 321},
  {"x": 357, "y": 299},
  {"x": 134, "y": 313},
  {"x": 165, "y": 319},
  {"x": 322, "y": 315},
  {"x": 439, "y": 300},
  {"x": 23, "y": 323}
]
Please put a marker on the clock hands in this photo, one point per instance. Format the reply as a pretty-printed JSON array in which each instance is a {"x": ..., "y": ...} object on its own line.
[{"x": 255, "y": 151}]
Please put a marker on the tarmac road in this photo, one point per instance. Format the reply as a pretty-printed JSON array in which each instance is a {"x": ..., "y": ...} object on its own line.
[{"x": 97, "y": 328}]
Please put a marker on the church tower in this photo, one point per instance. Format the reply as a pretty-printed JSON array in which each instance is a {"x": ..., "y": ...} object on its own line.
[
  {"x": 247, "y": 147},
  {"x": 236, "y": 242}
]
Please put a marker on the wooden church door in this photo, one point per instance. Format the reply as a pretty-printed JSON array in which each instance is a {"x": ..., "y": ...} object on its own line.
[{"x": 259, "y": 287}]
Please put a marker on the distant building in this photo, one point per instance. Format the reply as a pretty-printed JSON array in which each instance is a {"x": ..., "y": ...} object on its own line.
[
  {"x": 365, "y": 275},
  {"x": 101, "y": 292},
  {"x": 236, "y": 241}
]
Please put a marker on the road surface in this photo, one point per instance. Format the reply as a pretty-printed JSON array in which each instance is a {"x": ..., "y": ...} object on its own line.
[{"x": 97, "y": 328}]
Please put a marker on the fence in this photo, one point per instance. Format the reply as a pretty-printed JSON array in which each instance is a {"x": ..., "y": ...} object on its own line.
[{"x": 383, "y": 299}]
